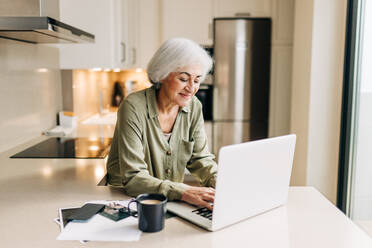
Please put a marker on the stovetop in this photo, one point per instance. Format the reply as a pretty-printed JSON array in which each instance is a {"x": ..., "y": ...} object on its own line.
[{"x": 68, "y": 148}]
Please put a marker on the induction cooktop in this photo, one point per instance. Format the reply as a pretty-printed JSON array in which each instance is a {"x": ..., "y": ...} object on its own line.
[{"x": 68, "y": 148}]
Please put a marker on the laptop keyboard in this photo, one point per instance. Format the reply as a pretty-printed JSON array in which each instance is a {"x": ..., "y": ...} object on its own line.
[{"x": 204, "y": 212}]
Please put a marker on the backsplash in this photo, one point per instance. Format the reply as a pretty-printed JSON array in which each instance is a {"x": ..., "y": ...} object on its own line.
[
  {"x": 30, "y": 94},
  {"x": 82, "y": 88}
]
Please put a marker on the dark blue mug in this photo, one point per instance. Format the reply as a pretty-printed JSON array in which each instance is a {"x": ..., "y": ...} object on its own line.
[{"x": 151, "y": 210}]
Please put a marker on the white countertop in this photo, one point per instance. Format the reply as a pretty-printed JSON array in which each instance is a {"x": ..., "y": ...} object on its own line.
[
  {"x": 97, "y": 119},
  {"x": 32, "y": 190}
]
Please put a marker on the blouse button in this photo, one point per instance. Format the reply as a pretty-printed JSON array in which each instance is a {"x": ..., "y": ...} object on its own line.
[{"x": 169, "y": 152}]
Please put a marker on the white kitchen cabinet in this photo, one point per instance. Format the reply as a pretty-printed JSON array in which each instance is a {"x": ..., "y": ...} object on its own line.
[
  {"x": 189, "y": 19},
  {"x": 140, "y": 31},
  {"x": 124, "y": 30},
  {"x": 280, "y": 90},
  {"x": 231, "y": 8},
  {"x": 281, "y": 66},
  {"x": 148, "y": 31},
  {"x": 97, "y": 17},
  {"x": 133, "y": 18},
  {"x": 128, "y": 29},
  {"x": 119, "y": 27},
  {"x": 283, "y": 16}
]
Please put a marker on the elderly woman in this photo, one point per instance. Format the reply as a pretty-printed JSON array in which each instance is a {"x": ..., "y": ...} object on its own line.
[{"x": 160, "y": 130}]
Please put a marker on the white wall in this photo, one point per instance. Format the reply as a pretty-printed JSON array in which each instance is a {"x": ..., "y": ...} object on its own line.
[
  {"x": 29, "y": 98},
  {"x": 318, "y": 58},
  {"x": 301, "y": 71}
]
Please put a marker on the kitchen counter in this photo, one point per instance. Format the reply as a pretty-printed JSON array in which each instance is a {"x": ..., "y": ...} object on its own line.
[
  {"x": 97, "y": 119},
  {"x": 32, "y": 190}
]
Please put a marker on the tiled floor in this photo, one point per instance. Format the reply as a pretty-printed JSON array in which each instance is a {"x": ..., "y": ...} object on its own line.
[{"x": 365, "y": 225}]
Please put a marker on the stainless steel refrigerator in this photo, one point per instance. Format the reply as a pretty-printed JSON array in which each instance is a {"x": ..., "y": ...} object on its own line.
[{"x": 241, "y": 80}]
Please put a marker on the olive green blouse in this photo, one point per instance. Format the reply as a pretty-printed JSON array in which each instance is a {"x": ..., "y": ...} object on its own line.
[{"x": 142, "y": 161}]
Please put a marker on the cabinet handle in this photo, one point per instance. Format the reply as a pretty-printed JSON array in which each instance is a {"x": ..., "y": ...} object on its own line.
[
  {"x": 123, "y": 52},
  {"x": 134, "y": 55}
]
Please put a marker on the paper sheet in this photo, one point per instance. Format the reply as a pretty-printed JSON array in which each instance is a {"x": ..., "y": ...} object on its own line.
[{"x": 99, "y": 228}]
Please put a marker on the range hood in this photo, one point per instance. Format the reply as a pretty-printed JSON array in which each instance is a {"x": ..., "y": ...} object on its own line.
[
  {"x": 37, "y": 21},
  {"x": 41, "y": 30}
]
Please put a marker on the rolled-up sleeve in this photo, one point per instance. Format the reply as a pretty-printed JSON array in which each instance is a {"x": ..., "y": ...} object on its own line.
[
  {"x": 133, "y": 167},
  {"x": 202, "y": 164}
]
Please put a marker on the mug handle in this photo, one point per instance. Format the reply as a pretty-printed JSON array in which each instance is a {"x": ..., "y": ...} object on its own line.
[{"x": 134, "y": 214}]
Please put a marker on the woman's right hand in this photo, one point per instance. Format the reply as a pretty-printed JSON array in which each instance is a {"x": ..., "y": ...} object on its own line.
[{"x": 200, "y": 196}]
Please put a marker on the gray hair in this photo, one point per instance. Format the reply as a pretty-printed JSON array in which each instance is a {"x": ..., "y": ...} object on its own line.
[{"x": 177, "y": 53}]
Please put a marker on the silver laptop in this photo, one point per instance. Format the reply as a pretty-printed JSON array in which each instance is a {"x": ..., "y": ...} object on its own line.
[{"x": 252, "y": 178}]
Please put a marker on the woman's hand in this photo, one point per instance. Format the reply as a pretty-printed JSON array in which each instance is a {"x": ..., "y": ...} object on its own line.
[{"x": 200, "y": 196}]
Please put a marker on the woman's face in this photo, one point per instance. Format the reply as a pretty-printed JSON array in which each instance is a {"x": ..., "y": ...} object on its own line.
[{"x": 179, "y": 87}]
